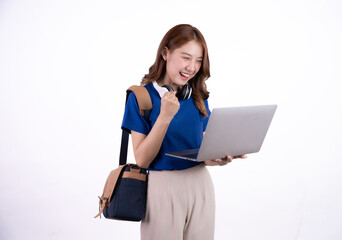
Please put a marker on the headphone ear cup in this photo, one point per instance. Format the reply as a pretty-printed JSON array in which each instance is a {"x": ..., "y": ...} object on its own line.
[
  {"x": 185, "y": 93},
  {"x": 169, "y": 88}
]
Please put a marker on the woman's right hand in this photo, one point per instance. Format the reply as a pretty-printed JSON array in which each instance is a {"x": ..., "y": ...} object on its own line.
[{"x": 169, "y": 105}]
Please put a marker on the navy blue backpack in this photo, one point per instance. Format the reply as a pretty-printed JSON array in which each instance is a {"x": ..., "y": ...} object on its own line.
[{"x": 125, "y": 191}]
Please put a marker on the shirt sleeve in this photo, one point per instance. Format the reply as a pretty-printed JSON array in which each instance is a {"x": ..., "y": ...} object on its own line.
[
  {"x": 205, "y": 123},
  {"x": 132, "y": 119}
]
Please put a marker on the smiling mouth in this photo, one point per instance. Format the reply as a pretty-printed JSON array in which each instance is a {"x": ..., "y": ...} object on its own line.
[{"x": 185, "y": 76}]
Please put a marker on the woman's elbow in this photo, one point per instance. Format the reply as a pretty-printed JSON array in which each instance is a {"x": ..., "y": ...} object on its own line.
[{"x": 141, "y": 162}]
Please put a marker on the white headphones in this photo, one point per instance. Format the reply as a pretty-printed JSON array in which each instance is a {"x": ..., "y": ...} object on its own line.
[
  {"x": 184, "y": 94},
  {"x": 160, "y": 90}
]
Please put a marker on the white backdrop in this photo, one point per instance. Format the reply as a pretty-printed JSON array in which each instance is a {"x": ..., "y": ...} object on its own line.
[{"x": 64, "y": 68}]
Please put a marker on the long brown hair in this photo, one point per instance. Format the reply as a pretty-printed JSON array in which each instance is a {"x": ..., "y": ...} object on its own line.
[{"x": 175, "y": 38}]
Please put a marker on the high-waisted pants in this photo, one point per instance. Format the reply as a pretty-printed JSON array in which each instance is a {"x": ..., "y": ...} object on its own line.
[{"x": 180, "y": 205}]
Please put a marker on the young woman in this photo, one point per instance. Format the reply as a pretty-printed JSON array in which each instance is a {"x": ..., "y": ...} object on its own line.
[{"x": 180, "y": 199}]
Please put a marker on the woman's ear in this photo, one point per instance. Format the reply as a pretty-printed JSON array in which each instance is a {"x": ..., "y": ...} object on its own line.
[{"x": 165, "y": 53}]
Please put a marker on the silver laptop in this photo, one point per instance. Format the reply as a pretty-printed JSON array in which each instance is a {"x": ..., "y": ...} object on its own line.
[{"x": 232, "y": 131}]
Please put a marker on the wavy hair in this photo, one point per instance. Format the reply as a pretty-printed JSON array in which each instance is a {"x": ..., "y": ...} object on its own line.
[{"x": 173, "y": 39}]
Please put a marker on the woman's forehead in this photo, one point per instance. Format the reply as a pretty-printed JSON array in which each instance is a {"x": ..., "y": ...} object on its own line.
[{"x": 191, "y": 48}]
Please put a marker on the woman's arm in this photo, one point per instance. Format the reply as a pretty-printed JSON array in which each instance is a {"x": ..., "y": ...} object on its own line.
[{"x": 146, "y": 148}]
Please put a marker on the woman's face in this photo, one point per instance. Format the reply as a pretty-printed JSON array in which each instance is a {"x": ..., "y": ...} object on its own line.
[{"x": 182, "y": 64}]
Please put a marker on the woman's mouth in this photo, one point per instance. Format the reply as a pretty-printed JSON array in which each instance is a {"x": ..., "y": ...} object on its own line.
[{"x": 184, "y": 76}]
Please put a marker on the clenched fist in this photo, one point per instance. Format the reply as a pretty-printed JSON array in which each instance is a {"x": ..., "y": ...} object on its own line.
[{"x": 169, "y": 105}]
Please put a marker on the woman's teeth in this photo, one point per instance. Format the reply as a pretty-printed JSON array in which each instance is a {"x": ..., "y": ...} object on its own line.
[{"x": 185, "y": 75}]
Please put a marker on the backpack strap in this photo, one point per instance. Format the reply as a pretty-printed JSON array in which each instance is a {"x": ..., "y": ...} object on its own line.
[
  {"x": 145, "y": 106},
  {"x": 143, "y": 98}
]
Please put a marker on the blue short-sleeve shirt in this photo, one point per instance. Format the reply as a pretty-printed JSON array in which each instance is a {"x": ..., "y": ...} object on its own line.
[{"x": 184, "y": 132}]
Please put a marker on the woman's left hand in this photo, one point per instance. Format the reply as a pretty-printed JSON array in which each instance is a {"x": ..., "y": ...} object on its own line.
[{"x": 222, "y": 161}]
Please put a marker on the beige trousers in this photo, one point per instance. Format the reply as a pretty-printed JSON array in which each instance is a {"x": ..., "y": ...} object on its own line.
[{"x": 180, "y": 205}]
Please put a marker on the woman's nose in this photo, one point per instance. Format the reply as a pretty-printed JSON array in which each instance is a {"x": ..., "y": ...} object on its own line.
[{"x": 191, "y": 66}]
